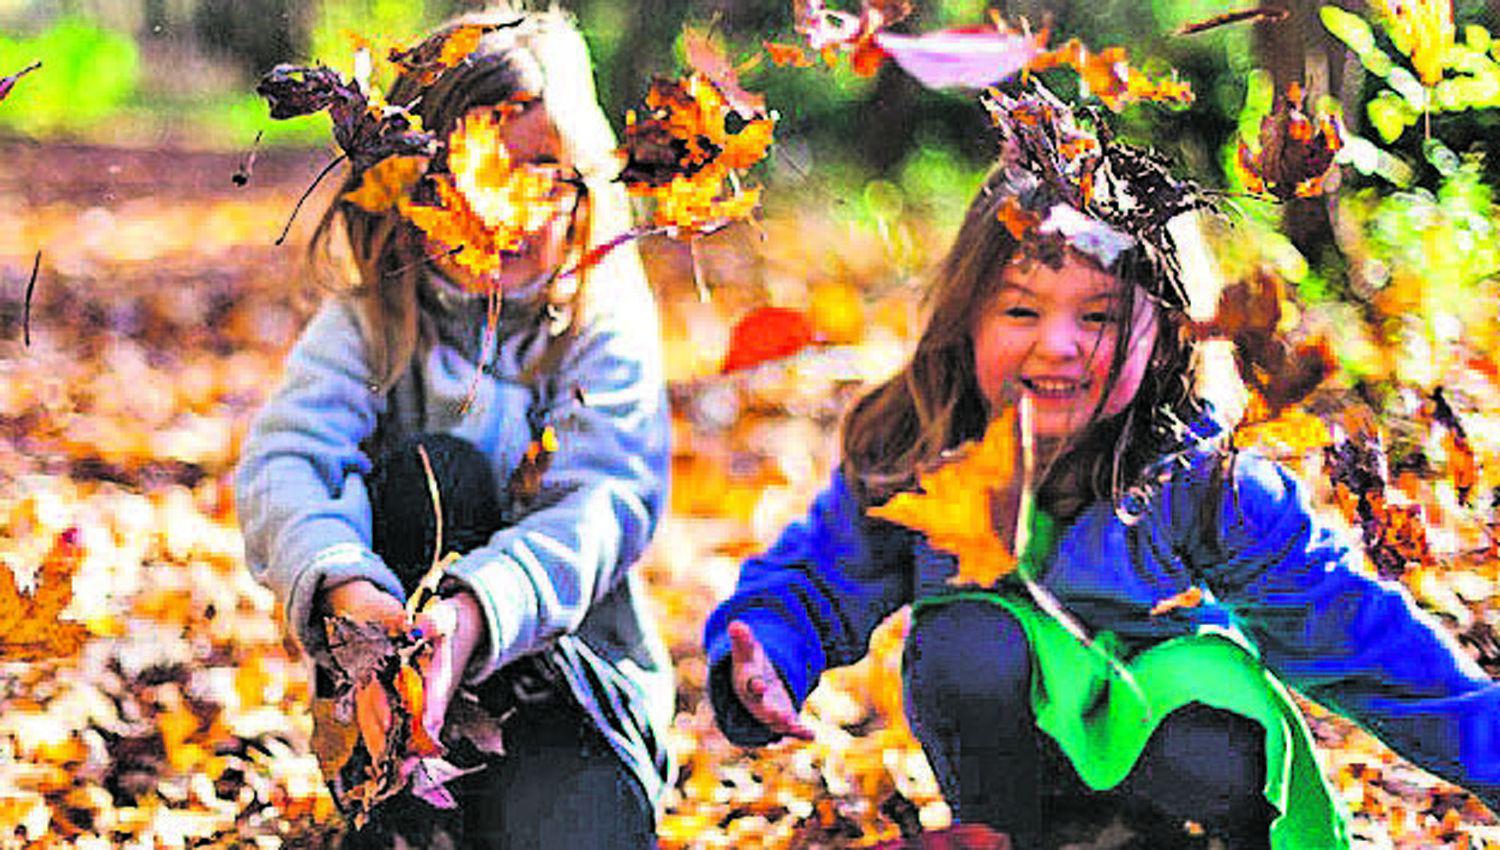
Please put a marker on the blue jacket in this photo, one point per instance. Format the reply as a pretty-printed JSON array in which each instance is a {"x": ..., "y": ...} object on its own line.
[
  {"x": 558, "y": 580},
  {"x": 1271, "y": 570}
]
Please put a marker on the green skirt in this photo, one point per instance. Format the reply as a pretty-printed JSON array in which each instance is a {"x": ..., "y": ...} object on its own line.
[{"x": 1101, "y": 717}]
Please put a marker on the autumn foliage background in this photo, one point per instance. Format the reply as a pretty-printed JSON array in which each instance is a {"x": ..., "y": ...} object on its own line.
[{"x": 156, "y": 705}]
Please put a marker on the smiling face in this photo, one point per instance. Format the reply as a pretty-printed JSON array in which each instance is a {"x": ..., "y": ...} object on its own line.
[{"x": 1051, "y": 333}]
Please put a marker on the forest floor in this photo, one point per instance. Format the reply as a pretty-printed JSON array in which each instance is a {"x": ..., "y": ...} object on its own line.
[{"x": 159, "y": 319}]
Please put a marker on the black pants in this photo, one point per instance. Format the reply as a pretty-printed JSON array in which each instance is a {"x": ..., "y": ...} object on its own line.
[
  {"x": 967, "y": 674},
  {"x": 560, "y": 784}
]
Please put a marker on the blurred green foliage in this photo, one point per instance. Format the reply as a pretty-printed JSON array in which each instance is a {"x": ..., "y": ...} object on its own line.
[{"x": 87, "y": 74}]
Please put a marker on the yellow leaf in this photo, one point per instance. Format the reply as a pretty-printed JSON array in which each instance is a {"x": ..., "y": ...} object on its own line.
[
  {"x": 956, "y": 505},
  {"x": 1190, "y": 598},
  {"x": 386, "y": 182},
  {"x": 1423, "y": 30}
]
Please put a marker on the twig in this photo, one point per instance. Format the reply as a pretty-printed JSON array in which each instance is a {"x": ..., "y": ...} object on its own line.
[
  {"x": 698, "y": 285},
  {"x": 300, "y": 201},
  {"x": 428, "y": 258},
  {"x": 1263, "y": 13},
  {"x": 242, "y": 176},
  {"x": 36, "y": 266},
  {"x": 427, "y": 587}
]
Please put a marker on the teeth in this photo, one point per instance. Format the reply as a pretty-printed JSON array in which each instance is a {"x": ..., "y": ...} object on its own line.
[{"x": 1053, "y": 386}]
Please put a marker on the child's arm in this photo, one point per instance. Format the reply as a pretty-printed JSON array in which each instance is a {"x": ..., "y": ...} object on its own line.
[
  {"x": 1356, "y": 644},
  {"x": 300, "y": 485},
  {"x": 601, "y": 497},
  {"x": 811, "y": 602}
]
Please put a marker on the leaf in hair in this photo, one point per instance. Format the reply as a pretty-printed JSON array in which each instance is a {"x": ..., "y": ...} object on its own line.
[
  {"x": 385, "y": 183},
  {"x": 430, "y": 57},
  {"x": 959, "y": 504}
]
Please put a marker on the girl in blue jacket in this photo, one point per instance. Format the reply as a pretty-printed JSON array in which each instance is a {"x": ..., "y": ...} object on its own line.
[
  {"x": 1064, "y": 285},
  {"x": 541, "y": 615}
]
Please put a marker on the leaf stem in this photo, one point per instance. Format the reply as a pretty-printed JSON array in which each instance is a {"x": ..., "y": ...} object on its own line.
[{"x": 300, "y": 201}]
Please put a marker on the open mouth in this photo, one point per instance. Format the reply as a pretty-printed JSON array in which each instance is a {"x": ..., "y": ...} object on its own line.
[{"x": 1056, "y": 388}]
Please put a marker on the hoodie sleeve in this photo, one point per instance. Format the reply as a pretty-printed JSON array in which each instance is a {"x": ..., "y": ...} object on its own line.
[
  {"x": 601, "y": 497},
  {"x": 1356, "y": 644},
  {"x": 812, "y": 601},
  {"x": 300, "y": 484}
]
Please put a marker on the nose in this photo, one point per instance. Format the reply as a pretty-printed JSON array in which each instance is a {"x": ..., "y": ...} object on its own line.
[{"x": 1060, "y": 339}]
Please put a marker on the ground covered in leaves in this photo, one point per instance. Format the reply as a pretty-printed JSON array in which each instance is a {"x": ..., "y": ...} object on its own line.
[{"x": 159, "y": 317}]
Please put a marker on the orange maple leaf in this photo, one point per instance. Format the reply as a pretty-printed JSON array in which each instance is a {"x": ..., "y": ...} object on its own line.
[
  {"x": 958, "y": 504},
  {"x": 429, "y": 58},
  {"x": 386, "y": 182},
  {"x": 1110, "y": 77},
  {"x": 29, "y": 625},
  {"x": 488, "y": 204},
  {"x": 682, "y": 156}
]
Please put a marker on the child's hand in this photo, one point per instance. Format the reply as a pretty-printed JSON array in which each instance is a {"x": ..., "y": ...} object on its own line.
[
  {"x": 759, "y": 687},
  {"x": 455, "y": 625},
  {"x": 363, "y": 601}
]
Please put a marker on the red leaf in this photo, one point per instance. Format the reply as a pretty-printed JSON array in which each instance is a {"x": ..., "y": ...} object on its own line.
[{"x": 766, "y": 333}]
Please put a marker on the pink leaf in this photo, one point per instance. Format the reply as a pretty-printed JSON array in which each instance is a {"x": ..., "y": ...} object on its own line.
[
  {"x": 430, "y": 779},
  {"x": 973, "y": 57}
]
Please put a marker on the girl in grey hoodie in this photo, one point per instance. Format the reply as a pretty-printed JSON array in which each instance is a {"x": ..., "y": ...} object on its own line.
[{"x": 540, "y": 614}]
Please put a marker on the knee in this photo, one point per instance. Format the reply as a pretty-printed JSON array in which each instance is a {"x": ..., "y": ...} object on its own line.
[
  {"x": 967, "y": 655},
  {"x": 404, "y": 529}
]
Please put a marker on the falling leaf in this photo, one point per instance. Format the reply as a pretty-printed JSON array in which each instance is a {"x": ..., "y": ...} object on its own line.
[
  {"x": 1423, "y": 30},
  {"x": 429, "y": 58},
  {"x": 1296, "y": 156},
  {"x": 682, "y": 156},
  {"x": 8, "y": 83},
  {"x": 366, "y": 132},
  {"x": 972, "y": 58},
  {"x": 958, "y": 503},
  {"x": 241, "y": 175},
  {"x": 1281, "y": 372},
  {"x": 787, "y": 54},
  {"x": 1190, "y": 598},
  {"x": 30, "y": 624},
  {"x": 1109, "y": 76},
  {"x": 488, "y": 204},
  {"x": 766, "y": 333}
]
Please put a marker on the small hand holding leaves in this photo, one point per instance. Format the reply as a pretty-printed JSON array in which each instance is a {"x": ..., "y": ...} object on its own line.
[{"x": 759, "y": 687}]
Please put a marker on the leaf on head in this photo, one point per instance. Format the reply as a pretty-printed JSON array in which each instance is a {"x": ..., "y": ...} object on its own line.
[{"x": 430, "y": 57}]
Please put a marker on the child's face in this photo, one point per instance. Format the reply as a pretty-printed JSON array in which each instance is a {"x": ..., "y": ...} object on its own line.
[
  {"x": 531, "y": 139},
  {"x": 1051, "y": 334}
]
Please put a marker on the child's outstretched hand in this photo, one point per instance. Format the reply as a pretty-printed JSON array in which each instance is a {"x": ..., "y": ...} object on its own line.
[
  {"x": 759, "y": 687},
  {"x": 455, "y": 625}
]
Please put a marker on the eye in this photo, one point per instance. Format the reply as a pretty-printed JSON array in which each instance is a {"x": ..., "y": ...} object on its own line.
[
  {"x": 1101, "y": 317},
  {"x": 1021, "y": 313}
]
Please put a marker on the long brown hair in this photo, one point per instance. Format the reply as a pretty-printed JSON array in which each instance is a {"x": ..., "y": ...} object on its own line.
[
  {"x": 536, "y": 54},
  {"x": 934, "y": 403}
]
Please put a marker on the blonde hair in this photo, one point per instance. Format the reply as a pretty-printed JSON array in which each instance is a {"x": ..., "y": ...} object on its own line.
[
  {"x": 541, "y": 54},
  {"x": 934, "y": 403}
]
